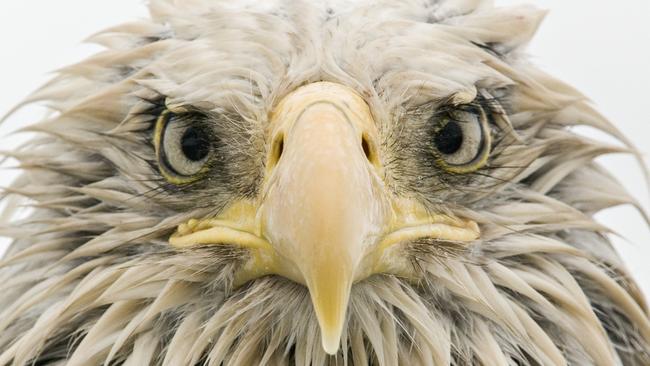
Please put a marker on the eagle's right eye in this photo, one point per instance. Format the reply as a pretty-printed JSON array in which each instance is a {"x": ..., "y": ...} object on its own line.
[
  {"x": 182, "y": 146},
  {"x": 461, "y": 140}
]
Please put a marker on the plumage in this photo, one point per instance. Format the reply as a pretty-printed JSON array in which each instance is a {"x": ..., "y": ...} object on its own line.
[{"x": 91, "y": 277}]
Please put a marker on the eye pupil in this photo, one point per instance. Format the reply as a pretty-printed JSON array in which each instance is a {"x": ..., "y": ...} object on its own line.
[
  {"x": 194, "y": 146},
  {"x": 450, "y": 138}
]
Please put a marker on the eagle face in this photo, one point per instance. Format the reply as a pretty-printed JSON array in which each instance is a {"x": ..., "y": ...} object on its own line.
[{"x": 312, "y": 183}]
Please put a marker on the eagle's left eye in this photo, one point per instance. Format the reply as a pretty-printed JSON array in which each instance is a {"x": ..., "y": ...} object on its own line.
[
  {"x": 182, "y": 147},
  {"x": 461, "y": 140}
]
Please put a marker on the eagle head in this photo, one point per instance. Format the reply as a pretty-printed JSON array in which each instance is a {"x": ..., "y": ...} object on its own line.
[{"x": 316, "y": 183}]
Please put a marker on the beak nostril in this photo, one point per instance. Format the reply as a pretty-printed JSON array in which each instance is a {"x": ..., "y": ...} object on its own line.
[
  {"x": 277, "y": 150},
  {"x": 367, "y": 149},
  {"x": 280, "y": 148}
]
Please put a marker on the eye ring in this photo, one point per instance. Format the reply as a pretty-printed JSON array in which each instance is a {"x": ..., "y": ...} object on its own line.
[
  {"x": 182, "y": 148},
  {"x": 462, "y": 140}
]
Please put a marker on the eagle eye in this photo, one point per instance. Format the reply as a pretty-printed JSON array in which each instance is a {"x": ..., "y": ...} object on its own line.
[
  {"x": 182, "y": 145},
  {"x": 194, "y": 145},
  {"x": 461, "y": 139}
]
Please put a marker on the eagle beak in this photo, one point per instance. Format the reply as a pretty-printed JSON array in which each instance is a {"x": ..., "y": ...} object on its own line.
[
  {"x": 324, "y": 208},
  {"x": 324, "y": 217}
]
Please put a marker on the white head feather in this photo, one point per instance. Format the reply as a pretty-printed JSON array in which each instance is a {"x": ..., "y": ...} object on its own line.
[{"x": 90, "y": 278}]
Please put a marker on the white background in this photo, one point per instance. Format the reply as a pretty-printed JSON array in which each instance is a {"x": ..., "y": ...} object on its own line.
[{"x": 601, "y": 47}]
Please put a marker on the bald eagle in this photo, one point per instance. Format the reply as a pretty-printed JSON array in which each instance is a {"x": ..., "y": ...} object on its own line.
[{"x": 316, "y": 183}]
